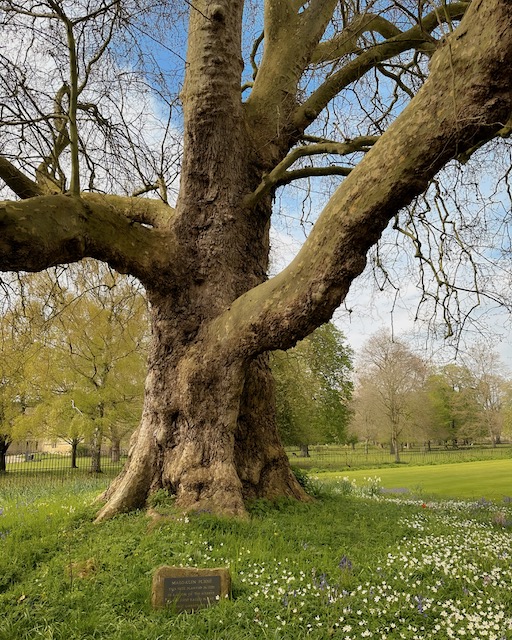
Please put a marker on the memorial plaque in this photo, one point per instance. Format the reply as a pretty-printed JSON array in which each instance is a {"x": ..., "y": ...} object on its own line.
[{"x": 186, "y": 589}]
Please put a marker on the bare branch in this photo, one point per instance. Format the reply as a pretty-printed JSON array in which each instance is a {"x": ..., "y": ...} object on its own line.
[
  {"x": 504, "y": 132},
  {"x": 102, "y": 48},
  {"x": 347, "y": 41},
  {"x": 254, "y": 51},
  {"x": 413, "y": 38},
  {"x": 279, "y": 175},
  {"x": 312, "y": 172},
  {"x": 49, "y": 168}
]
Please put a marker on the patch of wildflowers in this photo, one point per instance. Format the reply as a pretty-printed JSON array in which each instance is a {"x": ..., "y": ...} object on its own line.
[{"x": 449, "y": 577}]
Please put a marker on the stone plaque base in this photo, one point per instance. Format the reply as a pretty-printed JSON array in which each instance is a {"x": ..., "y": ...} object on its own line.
[{"x": 187, "y": 589}]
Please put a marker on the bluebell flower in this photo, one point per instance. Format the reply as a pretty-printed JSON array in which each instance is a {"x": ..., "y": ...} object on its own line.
[{"x": 419, "y": 600}]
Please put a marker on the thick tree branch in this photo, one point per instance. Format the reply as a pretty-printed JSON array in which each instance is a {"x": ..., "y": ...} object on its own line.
[
  {"x": 277, "y": 14},
  {"x": 279, "y": 175},
  {"x": 49, "y": 174},
  {"x": 290, "y": 39},
  {"x": 254, "y": 51},
  {"x": 315, "y": 18},
  {"x": 366, "y": 60},
  {"x": 150, "y": 212},
  {"x": 44, "y": 231},
  {"x": 18, "y": 182},
  {"x": 467, "y": 97}
]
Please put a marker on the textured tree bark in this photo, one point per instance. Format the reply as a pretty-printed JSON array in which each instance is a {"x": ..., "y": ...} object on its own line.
[{"x": 208, "y": 432}]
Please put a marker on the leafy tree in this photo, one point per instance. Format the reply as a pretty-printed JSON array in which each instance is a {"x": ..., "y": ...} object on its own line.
[
  {"x": 58, "y": 418},
  {"x": 314, "y": 389},
  {"x": 20, "y": 355},
  {"x": 393, "y": 375},
  {"x": 328, "y": 80},
  {"x": 98, "y": 352},
  {"x": 453, "y": 404},
  {"x": 507, "y": 410},
  {"x": 95, "y": 348}
]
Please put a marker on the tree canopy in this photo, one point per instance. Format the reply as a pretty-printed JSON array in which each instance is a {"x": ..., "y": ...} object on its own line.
[{"x": 314, "y": 388}]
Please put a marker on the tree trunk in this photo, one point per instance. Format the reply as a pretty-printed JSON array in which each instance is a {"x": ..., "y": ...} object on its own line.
[
  {"x": 115, "y": 450},
  {"x": 74, "y": 447},
  {"x": 304, "y": 450},
  {"x": 3, "y": 456},
  {"x": 96, "y": 451},
  {"x": 210, "y": 437},
  {"x": 395, "y": 447},
  {"x": 208, "y": 430}
]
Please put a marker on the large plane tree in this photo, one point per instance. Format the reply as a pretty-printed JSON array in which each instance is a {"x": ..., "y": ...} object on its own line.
[{"x": 382, "y": 94}]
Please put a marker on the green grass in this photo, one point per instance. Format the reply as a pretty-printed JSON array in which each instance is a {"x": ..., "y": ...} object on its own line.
[
  {"x": 491, "y": 479},
  {"x": 344, "y": 566}
]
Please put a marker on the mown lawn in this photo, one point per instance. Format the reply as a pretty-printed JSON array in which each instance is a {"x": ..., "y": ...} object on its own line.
[
  {"x": 353, "y": 564},
  {"x": 490, "y": 479}
]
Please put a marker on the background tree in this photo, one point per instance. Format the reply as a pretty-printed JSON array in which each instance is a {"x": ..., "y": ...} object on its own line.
[
  {"x": 21, "y": 345},
  {"x": 313, "y": 389},
  {"x": 507, "y": 410},
  {"x": 453, "y": 404},
  {"x": 11, "y": 400},
  {"x": 57, "y": 418},
  {"x": 366, "y": 423},
  {"x": 94, "y": 354},
  {"x": 311, "y": 91},
  {"x": 394, "y": 375},
  {"x": 98, "y": 352},
  {"x": 489, "y": 389}
]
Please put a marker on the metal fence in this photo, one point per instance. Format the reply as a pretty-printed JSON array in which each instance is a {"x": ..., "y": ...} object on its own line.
[
  {"x": 37, "y": 466},
  {"x": 342, "y": 458},
  {"x": 54, "y": 468}
]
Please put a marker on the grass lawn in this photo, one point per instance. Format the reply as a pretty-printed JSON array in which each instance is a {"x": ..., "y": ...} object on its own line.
[
  {"x": 491, "y": 479},
  {"x": 344, "y": 567}
]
